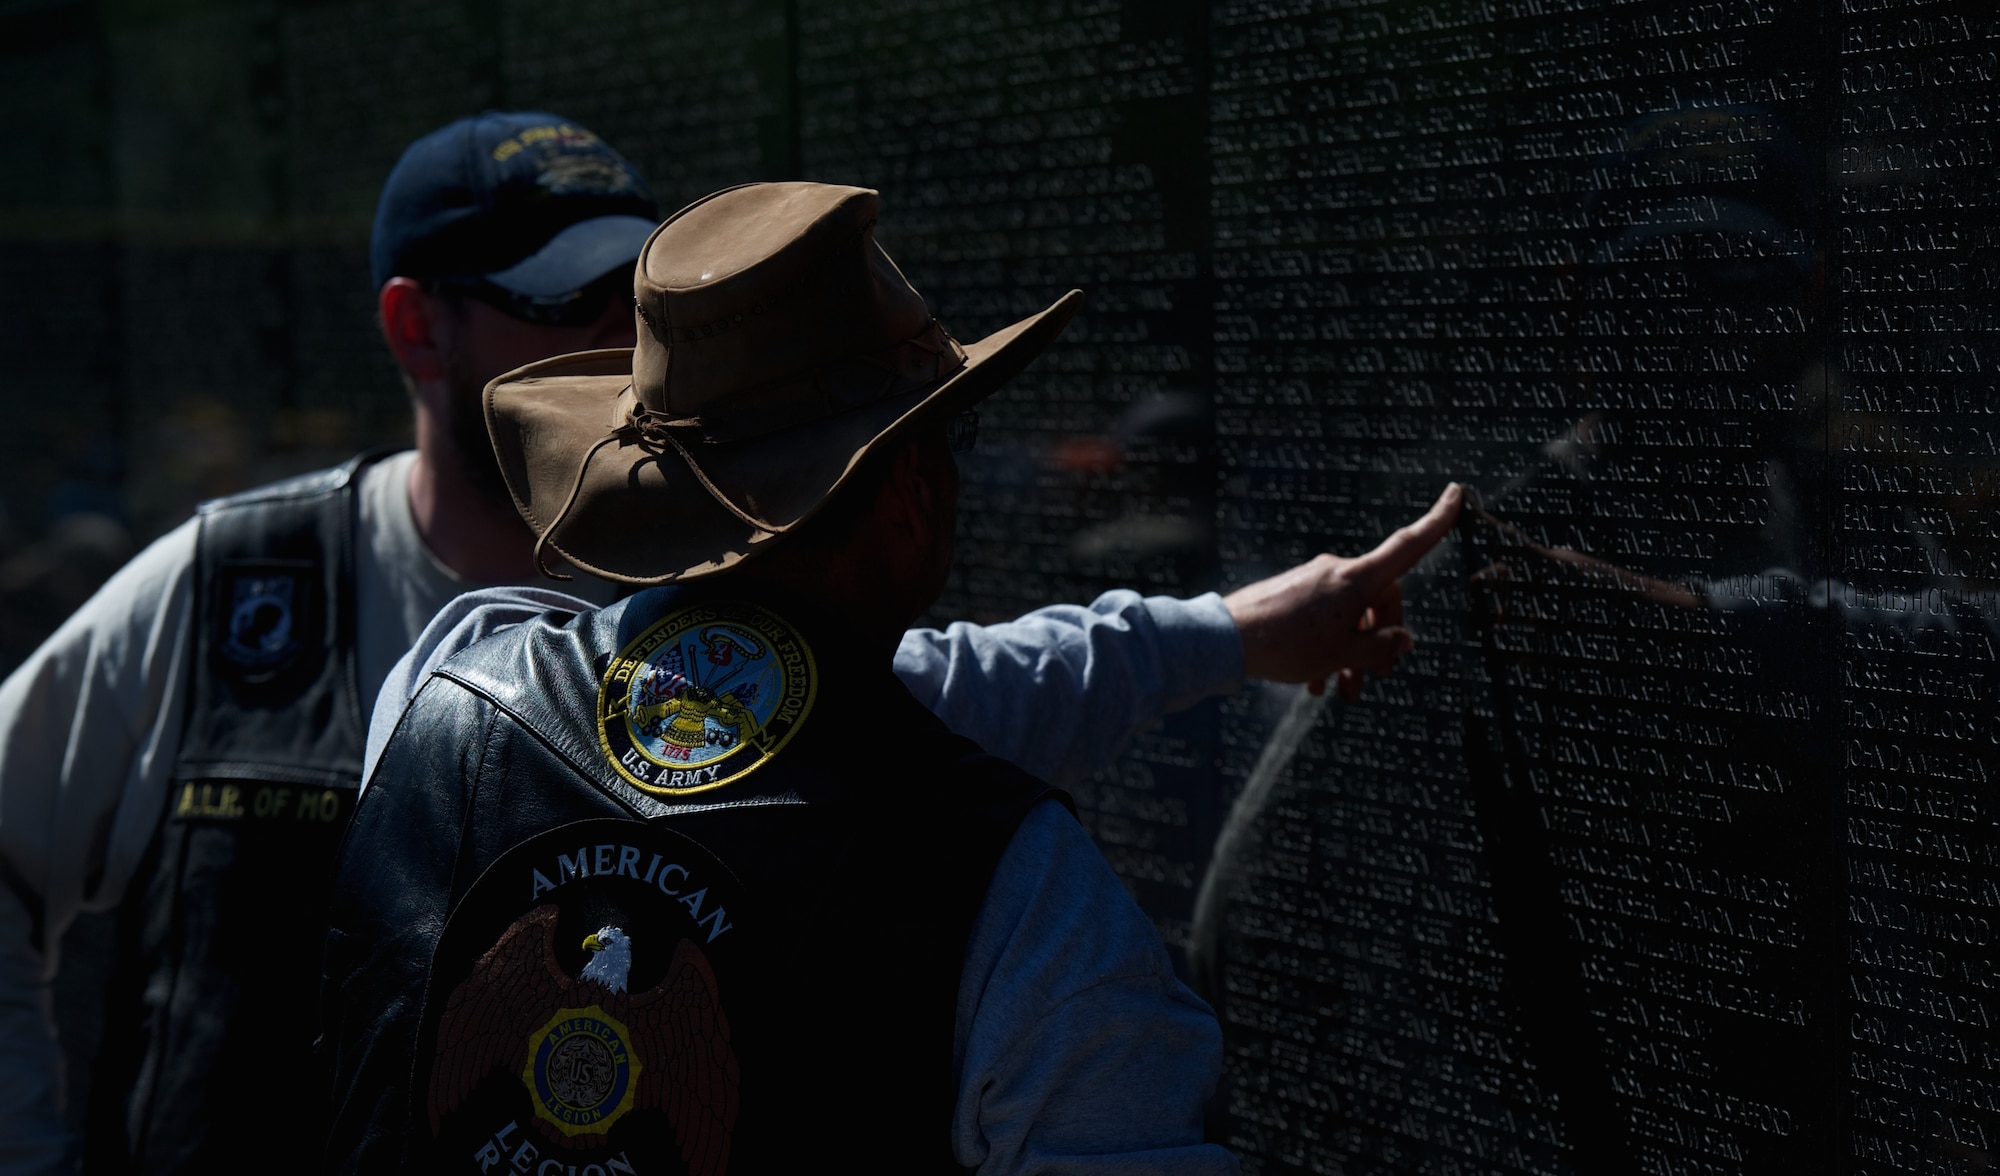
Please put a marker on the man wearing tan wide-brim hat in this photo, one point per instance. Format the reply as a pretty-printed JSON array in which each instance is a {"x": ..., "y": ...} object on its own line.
[
  {"x": 757, "y": 389},
  {"x": 693, "y": 882}
]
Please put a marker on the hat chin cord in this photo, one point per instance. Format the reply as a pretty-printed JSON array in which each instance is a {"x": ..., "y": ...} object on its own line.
[
  {"x": 644, "y": 427},
  {"x": 920, "y": 363}
]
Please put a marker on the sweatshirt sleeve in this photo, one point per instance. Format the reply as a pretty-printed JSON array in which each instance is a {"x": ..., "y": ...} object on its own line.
[
  {"x": 1077, "y": 1051},
  {"x": 1061, "y": 690},
  {"x": 90, "y": 726}
]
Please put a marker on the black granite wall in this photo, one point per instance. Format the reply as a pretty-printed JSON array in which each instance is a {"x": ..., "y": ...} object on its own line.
[{"x": 1675, "y": 847}]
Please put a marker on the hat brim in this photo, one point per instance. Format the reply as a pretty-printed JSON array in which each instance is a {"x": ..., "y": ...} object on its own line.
[
  {"x": 640, "y": 516},
  {"x": 577, "y": 256}
]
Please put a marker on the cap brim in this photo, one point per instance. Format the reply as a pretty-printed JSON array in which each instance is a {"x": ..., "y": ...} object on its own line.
[
  {"x": 577, "y": 256},
  {"x": 640, "y": 515}
]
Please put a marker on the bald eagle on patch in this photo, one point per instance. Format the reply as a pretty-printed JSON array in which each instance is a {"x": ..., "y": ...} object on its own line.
[{"x": 612, "y": 958}]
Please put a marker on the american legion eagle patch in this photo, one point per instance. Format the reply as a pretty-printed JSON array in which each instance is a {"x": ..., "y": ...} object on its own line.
[
  {"x": 575, "y": 1020},
  {"x": 704, "y": 696}
]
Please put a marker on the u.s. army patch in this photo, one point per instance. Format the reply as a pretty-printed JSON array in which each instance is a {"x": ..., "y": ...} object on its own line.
[{"x": 703, "y": 697}]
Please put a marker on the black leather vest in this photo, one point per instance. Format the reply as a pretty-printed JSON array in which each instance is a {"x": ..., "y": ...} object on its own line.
[
  {"x": 830, "y": 890},
  {"x": 208, "y": 1059}
]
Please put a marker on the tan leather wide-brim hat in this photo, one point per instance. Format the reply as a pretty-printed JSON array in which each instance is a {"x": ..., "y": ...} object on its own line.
[{"x": 778, "y": 348}]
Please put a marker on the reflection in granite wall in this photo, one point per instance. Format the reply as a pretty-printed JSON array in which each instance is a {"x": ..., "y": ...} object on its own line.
[
  {"x": 1567, "y": 891},
  {"x": 1913, "y": 491},
  {"x": 1672, "y": 850}
]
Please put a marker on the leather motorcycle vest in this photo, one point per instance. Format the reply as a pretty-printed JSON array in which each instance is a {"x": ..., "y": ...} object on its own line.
[
  {"x": 222, "y": 934},
  {"x": 680, "y": 885}
]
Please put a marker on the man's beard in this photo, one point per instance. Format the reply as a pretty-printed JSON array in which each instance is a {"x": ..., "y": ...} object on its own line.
[{"x": 470, "y": 442}]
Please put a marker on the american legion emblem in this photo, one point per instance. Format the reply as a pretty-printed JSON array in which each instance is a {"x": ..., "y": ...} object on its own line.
[
  {"x": 704, "y": 696},
  {"x": 575, "y": 1017}
]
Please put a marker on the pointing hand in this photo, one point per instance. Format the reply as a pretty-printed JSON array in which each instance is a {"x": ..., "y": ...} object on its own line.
[{"x": 1337, "y": 616}]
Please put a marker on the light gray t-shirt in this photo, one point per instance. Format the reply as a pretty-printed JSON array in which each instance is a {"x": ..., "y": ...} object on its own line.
[
  {"x": 400, "y": 585},
  {"x": 90, "y": 728}
]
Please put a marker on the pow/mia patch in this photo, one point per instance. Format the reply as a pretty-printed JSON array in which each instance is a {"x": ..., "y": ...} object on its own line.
[
  {"x": 703, "y": 697},
  {"x": 266, "y": 615},
  {"x": 576, "y": 1010},
  {"x": 260, "y": 621},
  {"x": 260, "y": 632}
]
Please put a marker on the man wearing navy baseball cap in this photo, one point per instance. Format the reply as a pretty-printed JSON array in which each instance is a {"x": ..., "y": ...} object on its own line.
[
  {"x": 499, "y": 240},
  {"x": 188, "y": 746},
  {"x": 534, "y": 206}
]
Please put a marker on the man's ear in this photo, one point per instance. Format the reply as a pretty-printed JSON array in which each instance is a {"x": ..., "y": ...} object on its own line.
[{"x": 410, "y": 326}]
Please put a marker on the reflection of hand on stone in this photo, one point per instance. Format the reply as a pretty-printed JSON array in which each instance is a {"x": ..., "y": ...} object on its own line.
[
  {"x": 1574, "y": 449},
  {"x": 1337, "y": 616},
  {"x": 1613, "y": 576}
]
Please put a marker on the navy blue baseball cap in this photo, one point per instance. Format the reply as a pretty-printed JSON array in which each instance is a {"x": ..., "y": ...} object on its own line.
[{"x": 526, "y": 200}]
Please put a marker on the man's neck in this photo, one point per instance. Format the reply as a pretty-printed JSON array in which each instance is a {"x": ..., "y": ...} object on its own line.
[{"x": 476, "y": 537}]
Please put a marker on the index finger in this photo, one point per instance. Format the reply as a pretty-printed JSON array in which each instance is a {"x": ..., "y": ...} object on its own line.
[{"x": 1408, "y": 544}]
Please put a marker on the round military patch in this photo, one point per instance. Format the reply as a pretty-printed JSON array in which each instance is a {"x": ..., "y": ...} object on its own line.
[
  {"x": 577, "y": 1011},
  {"x": 580, "y": 1070},
  {"x": 703, "y": 697}
]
